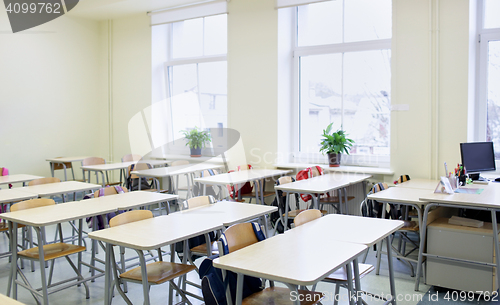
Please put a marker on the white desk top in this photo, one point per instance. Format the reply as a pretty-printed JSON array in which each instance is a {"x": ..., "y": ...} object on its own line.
[
  {"x": 52, "y": 189},
  {"x": 121, "y": 165},
  {"x": 425, "y": 184},
  {"x": 175, "y": 170},
  {"x": 241, "y": 176},
  {"x": 13, "y": 195},
  {"x": 159, "y": 231},
  {"x": 401, "y": 195},
  {"x": 17, "y": 178},
  {"x": 54, "y": 214},
  {"x": 229, "y": 213},
  {"x": 171, "y": 158},
  {"x": 489, "y": 198},
  {"x": 65, "y": 159},
  {"x": 299, "y": 259},
  {"x": 323, "y": 183},
  {"x": 343, "y": 168},
  {"x": 356, "y": 229}
]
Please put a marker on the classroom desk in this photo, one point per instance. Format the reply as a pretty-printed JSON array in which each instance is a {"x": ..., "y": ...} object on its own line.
[
  {"x": 76, "y": 210},
  {"x": 122, "y": 166},
  {"x": 9, "y": 179},
  {"x": 152, "y": 234},
  {"x": 171, "y": 171},
  {"x": 241, "y": 177},
  {"x": 356, "y": 229},
  {"x": 60, "y": 188},
  {"x": 62, "y": 161},
  {"x": 292, "y": 259},
  {"x": 13, "y": 195},
  {"x": 488, "y": 200},
  {"x": 424, "y": 184},
  {"x": 319, "y": 185}
]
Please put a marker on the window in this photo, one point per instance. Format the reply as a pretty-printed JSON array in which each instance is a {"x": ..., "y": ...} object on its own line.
[
  {"x": 194, "y": 72},
  {"x": 488, "y": 119},
  {"x": 343, "y": 62}
]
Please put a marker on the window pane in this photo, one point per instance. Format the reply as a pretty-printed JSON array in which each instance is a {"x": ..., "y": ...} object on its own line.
[
  {"x": 367, "y": 85},
  {"x": 199, "y": 96},
  {"x": 320, "y": 98},
  {"x": 367, "y": 20},
  {"x": 216, "y": 35},
  {"x": 188, "y": 38},
  {"x": 320, "y": 23},
  {"x": 493, "y": 96},
  {"x": 491, "y": 13}
]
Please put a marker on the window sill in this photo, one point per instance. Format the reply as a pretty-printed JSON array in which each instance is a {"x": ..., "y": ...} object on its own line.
[{"x": 342, "y": 168}]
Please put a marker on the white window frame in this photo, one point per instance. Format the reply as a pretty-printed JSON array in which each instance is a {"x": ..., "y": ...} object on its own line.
[{"x": 369, "y": 45}]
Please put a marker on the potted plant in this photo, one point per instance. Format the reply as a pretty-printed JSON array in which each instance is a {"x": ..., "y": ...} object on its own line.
[
  {"x": 334, "y": 144},
  {"x": 196, "y": 140}
]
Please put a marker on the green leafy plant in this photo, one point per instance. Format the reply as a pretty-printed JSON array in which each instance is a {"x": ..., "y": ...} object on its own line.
[
  {"x": 335, "y": 142},
  {"x": 196, "y": 138}
]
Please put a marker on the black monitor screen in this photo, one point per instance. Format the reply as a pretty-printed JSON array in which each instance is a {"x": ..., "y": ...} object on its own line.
[{"x": 478, "y": 156}]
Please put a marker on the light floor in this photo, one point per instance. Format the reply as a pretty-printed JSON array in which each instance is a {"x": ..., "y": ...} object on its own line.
[{"x": 376, "y": 284}]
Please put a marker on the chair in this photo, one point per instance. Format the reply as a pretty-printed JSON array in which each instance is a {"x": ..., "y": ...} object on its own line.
[
  {"x": 151, "y": 184},
  {"x": 242, "y": 235},
  {"x": 96, "y": 161},
  {"x": 157, "y": 272},
  {"x": 281, "y": 196},
  {"x": 64, "y": 166},
  {"x": 131, "y": 157},
  {"x": 51, "y": 251},
  {"x": 338, "y": 277},
  {"x": 44, "y": 181},
  {"x": 209, "y": 189}
]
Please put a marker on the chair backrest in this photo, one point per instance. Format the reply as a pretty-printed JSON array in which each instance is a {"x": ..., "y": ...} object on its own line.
[
  {"x": 380, "y": 187},
  {"x": 243, "y": 167},
  {"x": 110, "y": 190},
  {"x": 209, "y": 172},
  {"x": 93, "y": 161},
  {"x": 316, "y": 171},
  {"x": 179, "y": 162},
  {"x": 241, "y": 235},
  {"x": 131, "y": 157},
  {"x": 198, "y": 201},
  {"x": 32, "y": 203},
  {"x": 402, "y": 178},
  {"x": 130, "y": 216},
  {"x": 44, "y": 181},
  {"x": 137, "y": 167},
  {"x": 4, "y": 171},
  {"x": 306, "y": 216}
]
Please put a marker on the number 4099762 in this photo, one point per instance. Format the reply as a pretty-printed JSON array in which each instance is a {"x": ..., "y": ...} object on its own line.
[{"x": 34, "y": 8}]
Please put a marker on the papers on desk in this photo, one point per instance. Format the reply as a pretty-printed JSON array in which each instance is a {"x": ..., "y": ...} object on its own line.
[
  {"x": 460, "y": 221},
  {"x": 469, "y": 191}
]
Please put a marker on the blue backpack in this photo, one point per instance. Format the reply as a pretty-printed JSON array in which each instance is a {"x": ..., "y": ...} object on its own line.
[{"x": 212, "y": 285}]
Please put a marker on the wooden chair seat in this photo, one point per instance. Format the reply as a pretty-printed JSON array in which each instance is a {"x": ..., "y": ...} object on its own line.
[
  {"x": 409, "y": 226},
  {"x": 334, "y": 199},
  {"x": 202, "y": 249},
  {"x": 294, "y": 213},
  {"x": 341, "y": 276},
  {"x": 52, "y": 251},
  {"x": 158, "y": 272},
  {"x": 5, "y": 226},
  {"x": 279, "y": 295}
]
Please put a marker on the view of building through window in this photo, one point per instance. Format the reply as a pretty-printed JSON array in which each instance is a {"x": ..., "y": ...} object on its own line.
[{"x": 345, "y": 73}]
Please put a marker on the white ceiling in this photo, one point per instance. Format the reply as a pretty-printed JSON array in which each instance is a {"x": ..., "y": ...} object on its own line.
[{"x": 111, "y": 9}]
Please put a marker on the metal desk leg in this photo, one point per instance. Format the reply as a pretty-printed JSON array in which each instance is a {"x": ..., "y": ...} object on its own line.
[
  {"x": 391, "y": 270},
  {"x": 495, "y": 241},
  {"x": 107, "y": 275},
  {"x": 13, "y": 265},
  {"x": 287, "y": 204},
  {"x": 41, "y": 260},
  {"x": 351, "y": 293},
  {"x": 239, "y": 289},
  {"x": 346, "y": 208},
  {"x": 379, "y": 245},
  {"x": 52, "y": 168},
  {"x": 357, "y": 282},
  {"x": 423, "y": 229},
  {"x": 144, "y": 274}
]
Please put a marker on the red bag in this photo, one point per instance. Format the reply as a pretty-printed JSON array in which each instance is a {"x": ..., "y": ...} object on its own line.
[
  {"x": 247, "y": 188},
  {"x": 306, "y": 174}
]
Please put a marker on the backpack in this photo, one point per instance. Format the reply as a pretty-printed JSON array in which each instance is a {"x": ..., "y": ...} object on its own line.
[
  {"x": 213, "y": 287},
  {"x": 280, "y": 202},
  {"x": 306, "y": 174},
  {"x": 133, "y": 183},
  {"x": 101, "y": 222},
  {"x": 247, "y": 188}
]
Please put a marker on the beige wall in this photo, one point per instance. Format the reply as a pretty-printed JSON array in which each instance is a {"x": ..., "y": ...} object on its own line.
[
  {"x": 430, "y": 74},
  {"x": 48, "y": 93}
]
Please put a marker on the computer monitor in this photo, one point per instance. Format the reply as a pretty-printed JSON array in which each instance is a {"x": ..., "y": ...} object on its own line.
[{"x": 478, "y": 157}]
